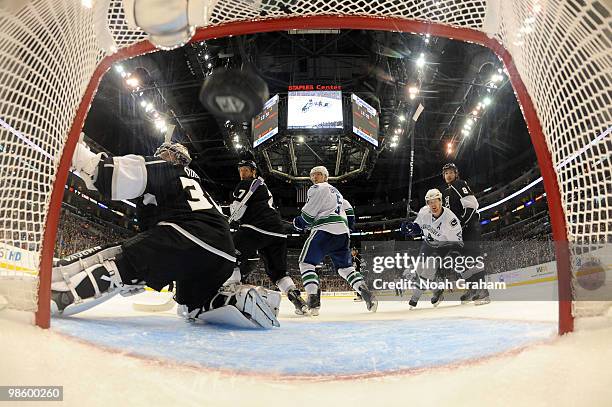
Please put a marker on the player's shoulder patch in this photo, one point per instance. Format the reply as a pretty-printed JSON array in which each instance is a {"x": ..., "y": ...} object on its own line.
[
  {"x": 454, "y": 222},
  {"x": 315, "y": 186}
]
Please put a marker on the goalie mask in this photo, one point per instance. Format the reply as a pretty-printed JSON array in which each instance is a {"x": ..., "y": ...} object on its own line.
[{"x": 174, "y": 152}]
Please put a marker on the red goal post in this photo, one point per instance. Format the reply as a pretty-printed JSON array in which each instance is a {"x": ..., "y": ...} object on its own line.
[{"x": 78, "y": 49}]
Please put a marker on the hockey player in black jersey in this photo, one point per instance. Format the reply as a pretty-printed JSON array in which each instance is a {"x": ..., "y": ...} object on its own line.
[
  {"x": 185, "y": 239},
  {"x": 261, "y": 230},
  {"x": 458, "y": 197}
]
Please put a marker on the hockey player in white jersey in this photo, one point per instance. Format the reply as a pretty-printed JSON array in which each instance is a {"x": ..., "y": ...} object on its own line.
[
  {"x": 442, "y": 236},
  {"x": 328, "y": 216}
]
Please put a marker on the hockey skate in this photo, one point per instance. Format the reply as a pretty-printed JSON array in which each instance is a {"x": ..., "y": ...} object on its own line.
[
  {"x": 414, "y": 299},
  {"x": 467, "y": 297},
  {"x": 437, "y": 297},
  {"x": 296, "y": 299},
  {"x": 481, "y": 297},
  {"x": 314, "y": 303},
  {"x": 357, "y": 297},
  {"x": 369, "y": 298}
]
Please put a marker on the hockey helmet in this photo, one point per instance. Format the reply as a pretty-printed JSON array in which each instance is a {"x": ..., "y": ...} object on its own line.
[
  {"x": 246, "y": 159},
  {"x": 450, "y": 166},
  {"x": 320, "y": 169},
  {"x": 247, "y": 163},
  {"x": 178, "y": 153},
  {"x": 433, "y": 194}
]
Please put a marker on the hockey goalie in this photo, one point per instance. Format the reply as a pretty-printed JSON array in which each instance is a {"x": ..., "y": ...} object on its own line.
[{"x": 185, "y": 238}]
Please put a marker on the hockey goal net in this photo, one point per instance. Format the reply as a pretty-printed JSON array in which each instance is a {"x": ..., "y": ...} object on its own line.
[{"x": 54, "y": 52}]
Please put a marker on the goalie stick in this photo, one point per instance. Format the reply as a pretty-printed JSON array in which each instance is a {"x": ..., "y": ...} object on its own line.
[
  {"x": 166, "y": 305},
  {"x": 254, "y": 185}
]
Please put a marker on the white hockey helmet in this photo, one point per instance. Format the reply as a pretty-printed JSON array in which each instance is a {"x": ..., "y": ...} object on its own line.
[
  {"x": 178, "y": 153},
  {"x": 320, "y": 169},
  {"x": 433, "y": 194}
]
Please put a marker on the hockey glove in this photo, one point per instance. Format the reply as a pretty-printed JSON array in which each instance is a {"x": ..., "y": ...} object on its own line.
[
  {"x": 85, "y": 162},
  {"x": 410, "y": 229},
  {"x": 299, "y": 224}
]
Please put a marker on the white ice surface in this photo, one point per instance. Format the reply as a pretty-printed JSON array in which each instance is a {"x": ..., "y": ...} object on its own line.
[{"x": 568, "y": 371}]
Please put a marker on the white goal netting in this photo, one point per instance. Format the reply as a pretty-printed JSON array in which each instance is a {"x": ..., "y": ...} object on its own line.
[{"x": 49, "y": 50}]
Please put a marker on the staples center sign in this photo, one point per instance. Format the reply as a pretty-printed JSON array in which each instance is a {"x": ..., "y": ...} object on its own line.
[{"x": 293, "y": 88}]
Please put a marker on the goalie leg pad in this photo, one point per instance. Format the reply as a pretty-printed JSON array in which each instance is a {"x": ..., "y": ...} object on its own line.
[
  {"x": 254, "y": 311},
  {"x": 273, "y": 298},
  {"x": 87, "y": 279},
  {"x": 228, "y": 315}
]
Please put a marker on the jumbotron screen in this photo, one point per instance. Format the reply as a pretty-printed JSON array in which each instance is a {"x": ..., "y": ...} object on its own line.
[
  {"x": 265, "y": 124},
  {"x": 365, "y": 120},
  {"x": 314, "y": 109}
]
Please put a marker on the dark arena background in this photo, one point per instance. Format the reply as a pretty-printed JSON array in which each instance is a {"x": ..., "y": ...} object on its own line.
[{"x": 384, "y": 95}]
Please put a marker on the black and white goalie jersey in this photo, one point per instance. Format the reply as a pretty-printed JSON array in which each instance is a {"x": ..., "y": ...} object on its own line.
[
  {"x": 164, "y": 192},
  {"x": 460, "y": 199},
  {"x": 259, "y": 212}
]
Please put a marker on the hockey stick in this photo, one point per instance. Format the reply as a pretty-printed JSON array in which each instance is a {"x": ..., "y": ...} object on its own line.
[
  {"x": 415, "y": 117},
  {"x": 152, "y": 306},
  {"x": 254, "y": 185}
]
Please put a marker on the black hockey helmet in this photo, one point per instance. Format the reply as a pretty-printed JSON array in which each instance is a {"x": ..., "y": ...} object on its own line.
[
  {"x": 247, "y": 160},
  {"x": 450, "y": 166}
]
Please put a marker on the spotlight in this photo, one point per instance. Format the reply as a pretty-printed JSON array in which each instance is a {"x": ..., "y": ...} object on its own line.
[
  {"x": 206, "y": 56},
  {"x": 209, "y": 65},
  {"x": 393, "y": 145},
  {"x": 413, "y": 91},
  {"x": 301, "y": 139},
  {"x": 402, "y": 118},
  {"x": 132, "y": 82},
  {"x": 421, "y": 61},
  {"x": 486, "y": 101}
]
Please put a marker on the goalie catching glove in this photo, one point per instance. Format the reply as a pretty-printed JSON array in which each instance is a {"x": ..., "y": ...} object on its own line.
[{"x": 85, "y": 163}]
